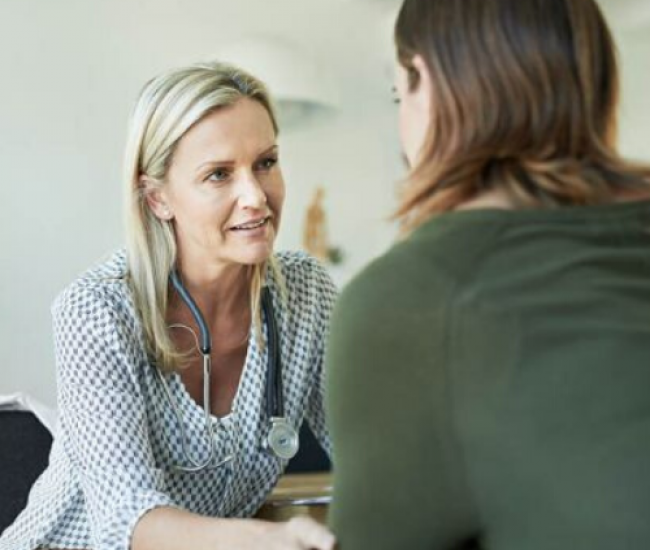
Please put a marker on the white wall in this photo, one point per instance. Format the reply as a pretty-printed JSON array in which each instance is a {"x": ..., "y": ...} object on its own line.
[
  {"x": 635, "y": 108},
  {"x": 70, "y": 72}
]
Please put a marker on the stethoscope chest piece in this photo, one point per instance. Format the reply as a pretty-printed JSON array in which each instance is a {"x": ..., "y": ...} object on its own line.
[{"x": 282, "y": 439}]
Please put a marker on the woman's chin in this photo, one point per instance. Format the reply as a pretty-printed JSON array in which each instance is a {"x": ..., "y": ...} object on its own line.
[{"x": 255, "y": 255}]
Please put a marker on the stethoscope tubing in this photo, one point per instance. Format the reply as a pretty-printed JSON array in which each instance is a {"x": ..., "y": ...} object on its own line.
[
  {"x": 274, "y": 394},
  {"x": 206, "y": 339},
  {"x": 274, "y": 374},
  {"x": 196, "y": 466}
]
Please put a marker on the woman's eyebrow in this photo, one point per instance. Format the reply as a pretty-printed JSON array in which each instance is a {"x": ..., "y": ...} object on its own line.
[
  {"x": 214, "y": 162},
  {"x": 271, "y": 149}
]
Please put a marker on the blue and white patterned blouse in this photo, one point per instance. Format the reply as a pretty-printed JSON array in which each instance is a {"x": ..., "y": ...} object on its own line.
[{"x": 112, "y": 460}]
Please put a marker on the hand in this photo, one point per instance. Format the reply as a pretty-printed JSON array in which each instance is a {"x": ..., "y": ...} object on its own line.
[{"x": 300, "y": 533}]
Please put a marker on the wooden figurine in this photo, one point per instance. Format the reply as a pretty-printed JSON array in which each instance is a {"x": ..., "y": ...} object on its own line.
[{"x": 315, "y": 231}]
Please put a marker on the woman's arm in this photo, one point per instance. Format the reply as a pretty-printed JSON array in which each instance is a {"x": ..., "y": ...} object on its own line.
[
  {"x": 103, "y": 418},
  {"x": 104, "y": 431},
  {"x": 170, "y": 529},
  {"x": 399, "y": 479}
]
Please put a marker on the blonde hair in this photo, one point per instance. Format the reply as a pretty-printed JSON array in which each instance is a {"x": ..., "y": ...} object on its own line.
[
  {"x": 525, "y": 94},
  {"x": 168, "y": 106}
]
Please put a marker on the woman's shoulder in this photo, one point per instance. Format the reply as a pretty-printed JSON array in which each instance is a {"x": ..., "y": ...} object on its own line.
[
  {"x": 105, "y": 283},
  {"x": 293, "y": 261},
  {"x": 406, "y": 275},
  {"x": 304, "y": 283},
  {"x": 302, "y": 271}
]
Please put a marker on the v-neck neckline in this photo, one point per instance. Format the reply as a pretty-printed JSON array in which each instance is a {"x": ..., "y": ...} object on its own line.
[{"x": 251, "y": 348}]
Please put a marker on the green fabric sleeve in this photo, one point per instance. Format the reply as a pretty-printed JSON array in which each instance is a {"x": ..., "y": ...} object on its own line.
[{"x": 399, "y": 480}]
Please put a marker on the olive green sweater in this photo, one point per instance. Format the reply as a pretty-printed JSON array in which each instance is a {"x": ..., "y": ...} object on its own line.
[{"x": 489, "y": 385}]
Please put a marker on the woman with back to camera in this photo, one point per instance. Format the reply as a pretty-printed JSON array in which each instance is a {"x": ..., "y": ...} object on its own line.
[
  {"x": 186, "y": 364},
  {"x": 503, "y": 346}
]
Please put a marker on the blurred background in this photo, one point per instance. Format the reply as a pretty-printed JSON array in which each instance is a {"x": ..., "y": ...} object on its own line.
[{"x": 70, "y": 73}]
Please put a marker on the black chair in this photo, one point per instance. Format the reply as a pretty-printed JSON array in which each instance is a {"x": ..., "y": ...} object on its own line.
[
  {"x": 24, "y": 451},
  {"x": 311, "y": 457}
]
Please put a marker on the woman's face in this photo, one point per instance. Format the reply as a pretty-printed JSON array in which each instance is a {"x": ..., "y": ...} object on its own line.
[
  {"x": 414, "y": 110},
  {"x": 224, "y": 189}
]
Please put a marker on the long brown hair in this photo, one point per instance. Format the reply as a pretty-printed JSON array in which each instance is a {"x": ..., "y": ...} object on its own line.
[{"x": 525, "y": 94}]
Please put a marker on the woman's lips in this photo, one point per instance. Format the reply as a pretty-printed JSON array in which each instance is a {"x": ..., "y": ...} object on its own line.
[
  {"x": 253, "y": 228},
  {"x": 251, "y": 224}
]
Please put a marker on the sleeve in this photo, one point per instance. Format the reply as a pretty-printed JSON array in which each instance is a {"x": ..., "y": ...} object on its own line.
[
  {"x": 103, "y": 417},
  {"x": 398, "y": 476},
  {"x": 325, "y": 297}
]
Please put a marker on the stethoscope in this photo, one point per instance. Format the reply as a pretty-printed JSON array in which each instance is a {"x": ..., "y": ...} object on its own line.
[{"x": 282, "y": 437}]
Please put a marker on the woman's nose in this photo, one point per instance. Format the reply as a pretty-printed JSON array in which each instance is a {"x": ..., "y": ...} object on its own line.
[{"x": 251, "y": 193}]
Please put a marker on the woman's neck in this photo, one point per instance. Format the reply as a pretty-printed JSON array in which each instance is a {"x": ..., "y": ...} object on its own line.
[
  {"x": 495, "y": 198},
  {"x": 219, "y": 291}
]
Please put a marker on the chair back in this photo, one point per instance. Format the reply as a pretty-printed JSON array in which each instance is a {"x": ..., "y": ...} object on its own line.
[
  {"x": 310, "y": 458},
  {"x": 24, "y": 451}
]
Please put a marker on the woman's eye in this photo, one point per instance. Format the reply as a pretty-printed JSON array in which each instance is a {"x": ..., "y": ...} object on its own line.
[
  {"x": 219, "y": 175},
  {"x": 267, "y": 163}
]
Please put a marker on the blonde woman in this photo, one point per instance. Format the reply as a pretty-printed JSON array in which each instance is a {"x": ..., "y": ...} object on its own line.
[
  {"x": 504, "y": 344},
  {"x": 166, "y": 352}
]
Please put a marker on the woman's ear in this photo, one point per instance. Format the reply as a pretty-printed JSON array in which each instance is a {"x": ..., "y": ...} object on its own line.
[{"x": 156, "y": 199}]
